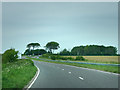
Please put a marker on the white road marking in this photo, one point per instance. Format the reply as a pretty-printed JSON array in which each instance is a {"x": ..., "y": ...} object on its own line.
[
  {"x": 62, "y": 69},
  {"x": 81, "y": 78},
  {"x": 69, "y": 72},
  {"x": 35, "y": 78},
  {"x": 93, "y": 70}
]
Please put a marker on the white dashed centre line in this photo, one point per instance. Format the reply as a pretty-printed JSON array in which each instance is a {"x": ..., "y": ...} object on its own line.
[
  {"x": 62, "y": 69},
  {"x": 69, "y": 72},
  {"x": 81, "y": 78}
]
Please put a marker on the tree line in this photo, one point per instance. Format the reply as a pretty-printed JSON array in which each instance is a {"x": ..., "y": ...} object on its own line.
[
  {"x": 77, "y": 50},
  {"x": 90, "y": 50}
]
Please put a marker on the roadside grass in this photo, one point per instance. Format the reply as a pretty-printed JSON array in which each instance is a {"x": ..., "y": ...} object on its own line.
[
  {"x": 113, "y": 69},
  {"x": 100, "y": 59},
  {"x": 92, "y": 59},
  {"x": 17, "y": 74}
]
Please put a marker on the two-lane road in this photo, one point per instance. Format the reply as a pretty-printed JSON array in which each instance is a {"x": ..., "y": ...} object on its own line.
[{"x": 65, "y": 76}]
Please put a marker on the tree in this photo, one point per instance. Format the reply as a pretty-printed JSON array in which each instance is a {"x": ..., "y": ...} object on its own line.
[
  {"x": 78, "y": 50},
  {"x": 33, "y": 45},
  {"x": 110, "y": 50},
  {"x": 29, "y": 46},
  {"x": 52, "y": 46},
  {"x": 9, "y": 55},
  {"x": 65, "y": 52},
  {"x": 28, "y": 52}
]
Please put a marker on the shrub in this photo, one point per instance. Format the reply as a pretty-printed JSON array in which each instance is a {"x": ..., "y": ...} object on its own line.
[
  {"x": 9, "y": 56},
  {"x": 56, "y": 56},
  {"x": 63, "y": 58},
  {"x": 70, "y": 58},
  {"x": 80, "y": 58},
  {"x": 53, "y": 57},
  {"x": 46, "y": 55}
]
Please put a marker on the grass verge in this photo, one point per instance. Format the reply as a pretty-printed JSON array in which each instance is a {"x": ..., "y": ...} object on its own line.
[
  {"x": 89, "y": 59},
  {"x": 113, "y": 69},
  {"x": 17, "y": 74}
]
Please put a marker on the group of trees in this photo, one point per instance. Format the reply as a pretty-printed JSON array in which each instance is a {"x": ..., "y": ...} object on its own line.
[
  {"x": 35, "y": 52},
  {"x": 50, "y": 47},
  {"x": 90, "y": 50},
  {"x": 78, "y": 50}
]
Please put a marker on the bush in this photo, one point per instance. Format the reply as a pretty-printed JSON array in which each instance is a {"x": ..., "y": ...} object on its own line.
[
  {"x": 80, "y": 58},
  {"x": 63, "y": 58},
  {"x": 53, "y": 57},
  {"x": 46, "y": 55},
  {"x": 9, "y": 56},
  {"x": 70, "y": 58}
]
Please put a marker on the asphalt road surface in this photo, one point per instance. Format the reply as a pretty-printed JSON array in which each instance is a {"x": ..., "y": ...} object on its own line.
[{"x": 65, "y": 76}]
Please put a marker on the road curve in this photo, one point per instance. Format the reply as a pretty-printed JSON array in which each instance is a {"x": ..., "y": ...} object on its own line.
[{"x": 64, "y": 76}]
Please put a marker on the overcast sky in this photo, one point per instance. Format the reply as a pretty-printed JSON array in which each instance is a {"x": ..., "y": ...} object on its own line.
[{"x": 70, "y": 24}]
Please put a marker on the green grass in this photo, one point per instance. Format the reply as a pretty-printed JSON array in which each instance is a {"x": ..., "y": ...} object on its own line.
[
  {"x": 17, "y": 74},
  {"x": 113, "y": 69},
  {"x": 92, "y": 59},
  {"x": 100, "y": 59}
]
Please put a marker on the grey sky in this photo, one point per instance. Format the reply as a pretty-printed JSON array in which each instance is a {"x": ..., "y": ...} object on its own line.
[{"x": 70, "y": 24}]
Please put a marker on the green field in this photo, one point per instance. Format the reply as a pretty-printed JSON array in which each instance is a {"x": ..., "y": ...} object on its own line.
[
  {"x": 100, "y": 59},
  {"x": 17, "y": 74}
]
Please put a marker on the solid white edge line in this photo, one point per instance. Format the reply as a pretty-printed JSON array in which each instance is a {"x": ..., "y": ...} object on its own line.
[{"x": 35, "y": 78}]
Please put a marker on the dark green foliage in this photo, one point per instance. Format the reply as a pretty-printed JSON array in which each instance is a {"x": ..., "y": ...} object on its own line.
[
  {"x": 38, "y": 52},
  {"x": 56, "y": 57},
  {"x": 79, "y": 50},
  {"x": 28, "y": 52},
  {"x": 63, "y": 58},
  {"x": 33, "y": 45},
  {"x": 35, "y": 52},
  {"x": 70, "y": 58},
  {"x": 47, "y": 55},
  {"x": 80, "y": 58},
  {"x": 65, "y": 52},
  {"x": 52, "y": 46},
  {"x": 94, "y": 50},
  {"x": 53, "y": 57},
  {"x": 9, "y": 56}
]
